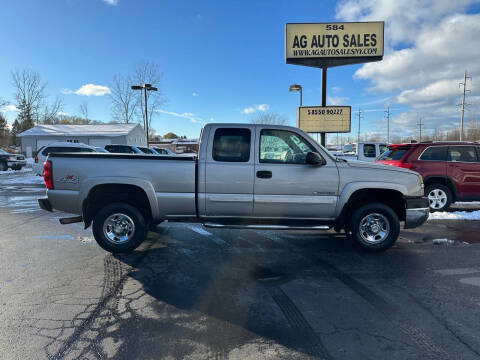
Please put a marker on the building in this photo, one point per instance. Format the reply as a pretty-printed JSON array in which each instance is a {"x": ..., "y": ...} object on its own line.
[
  {"x": 178, "y": 146},
  {"x": 94, "y": 135}
]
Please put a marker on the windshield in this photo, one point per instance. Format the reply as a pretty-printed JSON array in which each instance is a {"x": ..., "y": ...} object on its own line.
[{"x": 3, "y": 151}]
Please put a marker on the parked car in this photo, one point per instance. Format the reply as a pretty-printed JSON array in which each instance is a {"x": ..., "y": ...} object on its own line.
[
  {"x": 163, "y": 151},
  {"x": 302, "y": 188},
  {"x": 450, "y": 170},
  {"x": 100, "y": 149},
  {"x": 123, "y": 149},
  {"x": 147, "y": 150},
  {"x": 12, "y": 161},
  {"x": 364, "y": 151},
  {"x": 57, "y": 147}
]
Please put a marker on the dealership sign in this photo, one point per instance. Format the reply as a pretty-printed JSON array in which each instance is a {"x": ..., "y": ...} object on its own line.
[
  {"x": 324, "y": 119},
  {"x": 333, "y": 44}
]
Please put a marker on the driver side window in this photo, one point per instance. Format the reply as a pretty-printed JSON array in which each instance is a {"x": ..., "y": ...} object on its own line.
[{"x": 284, "y": 147}]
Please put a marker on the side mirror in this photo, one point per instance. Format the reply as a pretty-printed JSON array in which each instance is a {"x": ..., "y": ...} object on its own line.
[{"x": 314, "y": 158}]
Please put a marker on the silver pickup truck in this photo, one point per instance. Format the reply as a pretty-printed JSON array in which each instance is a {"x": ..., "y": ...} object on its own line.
[{"x": 245, "y": 176}]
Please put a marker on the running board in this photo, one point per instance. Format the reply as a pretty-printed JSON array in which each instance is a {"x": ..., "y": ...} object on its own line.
[
  {"x": 265, "y": 227},
  {"x": 71, "y": 220}
]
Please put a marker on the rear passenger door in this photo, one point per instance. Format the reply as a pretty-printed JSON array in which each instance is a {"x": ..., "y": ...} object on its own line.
[
  {"x": 230, "y": 172},
  {"x": 464, "y": 169}
]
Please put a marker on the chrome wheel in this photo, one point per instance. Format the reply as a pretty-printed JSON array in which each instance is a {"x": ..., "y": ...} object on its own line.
[
  {"x": 437, "y": 198},
  {"x": 374, "y": 228},
  {"x": 118, "y": 228}
]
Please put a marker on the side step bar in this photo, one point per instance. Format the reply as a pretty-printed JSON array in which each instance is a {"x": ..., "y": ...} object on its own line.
[
  {"x": 71, "y": 220},
  {"x": 265, "y": 227}
]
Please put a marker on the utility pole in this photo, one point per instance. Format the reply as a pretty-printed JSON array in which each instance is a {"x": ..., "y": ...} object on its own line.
[
  {"x": 387, "y": 113},
  {"x": 464, "y": 84},
  {"x": 359, "y": 117},
  {"x": 420, "y": 128}
]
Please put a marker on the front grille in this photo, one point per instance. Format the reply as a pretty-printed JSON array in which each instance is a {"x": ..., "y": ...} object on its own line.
[{"x": 20, "y": 158}]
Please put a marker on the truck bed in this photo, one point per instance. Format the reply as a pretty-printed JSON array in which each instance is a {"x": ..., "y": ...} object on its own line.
[{"x": 170, "y": 180}]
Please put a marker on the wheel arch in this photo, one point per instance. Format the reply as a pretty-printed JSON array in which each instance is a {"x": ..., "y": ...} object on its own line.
[
  {"x": 103, "y": 194},
  {"x": 392, "y": 198},
  {"x": 443, "y": 180}
]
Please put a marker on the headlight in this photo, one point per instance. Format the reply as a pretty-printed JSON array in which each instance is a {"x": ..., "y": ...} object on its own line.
[{"x": 12, "y": 158}]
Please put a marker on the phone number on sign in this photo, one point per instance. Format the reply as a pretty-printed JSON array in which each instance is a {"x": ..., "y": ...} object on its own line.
[{"x": 324, "y": 112}]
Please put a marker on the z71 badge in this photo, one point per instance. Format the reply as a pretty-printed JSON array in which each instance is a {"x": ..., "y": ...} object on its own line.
[{"x": 69, "y": 179}]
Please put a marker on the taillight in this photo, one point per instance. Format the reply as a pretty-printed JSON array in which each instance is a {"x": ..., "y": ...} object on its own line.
[
  {"x": 47, "y": 174},
  {"x": 36, "y": 159}
]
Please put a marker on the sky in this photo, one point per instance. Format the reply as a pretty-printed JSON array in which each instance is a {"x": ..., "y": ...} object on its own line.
[{"x": 223, "y": 61}]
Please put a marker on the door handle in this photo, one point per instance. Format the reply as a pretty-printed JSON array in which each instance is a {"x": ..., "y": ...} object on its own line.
[{"x": 264, "y": 174}]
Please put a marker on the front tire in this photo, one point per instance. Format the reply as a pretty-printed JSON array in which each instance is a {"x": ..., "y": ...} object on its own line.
[
  {"x": 3, "y": 166},
  {"x": 119, "y": 228},
  {"x": 374, "y": 227},
  {"x": 439, "y": 197}
]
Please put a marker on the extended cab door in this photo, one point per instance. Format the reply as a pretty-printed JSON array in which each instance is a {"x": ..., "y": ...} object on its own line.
[
  {"x": 287, "y": 187},
  {"x": 229, "y": 171}
]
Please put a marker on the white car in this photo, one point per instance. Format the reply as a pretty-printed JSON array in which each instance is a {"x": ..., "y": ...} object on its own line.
[{"x": 57, "y": 147}]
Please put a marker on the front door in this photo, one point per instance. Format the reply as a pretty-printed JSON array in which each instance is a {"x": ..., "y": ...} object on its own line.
[
  {"x": 287, "y": 187},
  {"x": 229, "y": 172},
  {"x": 464, "y": 168}
]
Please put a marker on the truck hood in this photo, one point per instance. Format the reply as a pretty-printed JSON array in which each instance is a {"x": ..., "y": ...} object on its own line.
[{"x": 377, "y": 166}]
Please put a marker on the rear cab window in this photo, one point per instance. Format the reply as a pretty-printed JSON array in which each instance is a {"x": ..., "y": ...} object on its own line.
[
  {"x": 369, "y": 150},
  {"x": 231, "y": 145},
  {"x": 434, "y": 153}
]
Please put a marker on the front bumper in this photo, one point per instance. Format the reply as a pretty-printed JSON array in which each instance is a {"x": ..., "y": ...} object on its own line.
[
  {"x": 16, "y": 163},
  {"x": 45, "y": 204},
  {"x": 417, "y": 212}
]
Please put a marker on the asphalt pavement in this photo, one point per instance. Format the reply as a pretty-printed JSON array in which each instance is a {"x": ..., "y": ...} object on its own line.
[{"x": 195, "y": 293}]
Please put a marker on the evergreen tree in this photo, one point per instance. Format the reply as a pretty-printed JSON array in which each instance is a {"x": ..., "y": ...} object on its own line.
[{"x": 3, "y": 125}]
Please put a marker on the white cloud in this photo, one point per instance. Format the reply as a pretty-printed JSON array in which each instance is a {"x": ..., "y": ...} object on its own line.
[
  {"x": 336, "y": 89},
  {"x": 111, "y": 2},
  {"x": 335, "y": 101},
  {"x": 427, "y": 51},
  {"x": 186, "y": 115},
  {"x": 63, "y": 113},
  {"x": 9, "y": 108},
  {"x": 88, "y": 90},
  {"x": 255, "y": 108},
  {"x": 195, "y": 94},
  {"x": 92, "y": 89}
]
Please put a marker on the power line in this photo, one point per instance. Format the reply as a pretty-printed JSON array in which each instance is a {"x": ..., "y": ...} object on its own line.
[
  {"x": 387, "y": 113},
  {"x": 464, "y": 84},
  {"x": 420, "y": 128},
  {"x": 359, "y": 117}
]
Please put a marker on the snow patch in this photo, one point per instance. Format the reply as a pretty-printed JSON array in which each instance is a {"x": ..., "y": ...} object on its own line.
[
  {"x": 456, "y": 215},
  {"x": 443, "y": 241}
]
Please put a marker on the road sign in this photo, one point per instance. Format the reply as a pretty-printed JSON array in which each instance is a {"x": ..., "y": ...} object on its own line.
[
  {"x": 324, "y": 119},
  {"x": 333, "y": 44}
]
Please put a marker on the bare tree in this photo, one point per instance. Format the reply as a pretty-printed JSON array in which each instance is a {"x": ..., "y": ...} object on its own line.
[
  {"x": 29, "y": 95},
  {"x": 269, "y": 118},
  {"x": 149, "y": 73},
  {"x": 124, "y": 99},
  {"x": 51, "y": 112},
  {"x": 84, "y": 110}
]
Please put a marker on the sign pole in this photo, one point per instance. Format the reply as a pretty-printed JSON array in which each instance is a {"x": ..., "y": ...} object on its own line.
[{"x": 324, "y": 100}]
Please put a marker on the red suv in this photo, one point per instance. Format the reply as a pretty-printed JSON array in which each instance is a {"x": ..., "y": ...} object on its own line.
[{"x": 450, "y": 170}]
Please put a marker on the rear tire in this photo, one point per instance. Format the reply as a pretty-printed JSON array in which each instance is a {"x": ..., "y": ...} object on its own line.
[
  {"x": 439, "y": 197},
  {"x": 119, "y": 228},
  {"x": 374, "y": 227}
]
